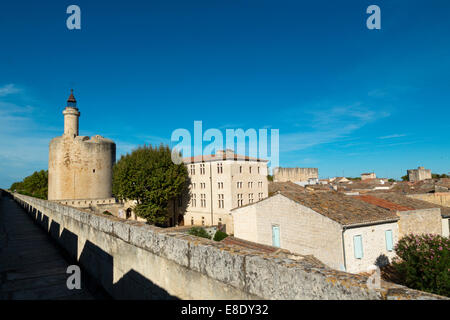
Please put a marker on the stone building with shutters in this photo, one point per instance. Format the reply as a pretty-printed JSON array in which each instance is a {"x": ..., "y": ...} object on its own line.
[{"x": 349, "y": 233}]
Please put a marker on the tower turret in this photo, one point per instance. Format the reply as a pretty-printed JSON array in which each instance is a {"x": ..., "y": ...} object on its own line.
[
  {"x": 71, "y": 115},
  {"x": 79, "y": 167}
]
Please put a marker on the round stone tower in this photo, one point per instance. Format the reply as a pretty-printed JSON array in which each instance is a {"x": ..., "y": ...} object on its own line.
[{"x": 79, "y": 167}]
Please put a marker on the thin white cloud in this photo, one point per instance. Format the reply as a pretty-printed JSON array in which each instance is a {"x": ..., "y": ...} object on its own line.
[
  {"x": 8, "y": 89},
  {"x": 400, "y": 143},
  {"x": 393, "y": 136},
  {"x": 329, "y": 125}
]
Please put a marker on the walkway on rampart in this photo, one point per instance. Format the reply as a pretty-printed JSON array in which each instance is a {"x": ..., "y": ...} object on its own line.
[{"x": 31, "y": 264}]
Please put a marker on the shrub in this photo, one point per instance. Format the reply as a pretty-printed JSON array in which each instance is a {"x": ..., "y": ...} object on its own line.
[
  {"x": 107, "y": 213},
  {"x": 220, "y": 235},
  {"x": 199, "y": 232},
  {"x": 423, "y": 263}
]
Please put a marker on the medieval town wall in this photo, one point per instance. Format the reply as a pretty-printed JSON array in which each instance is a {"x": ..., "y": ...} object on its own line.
[{"x": 133, "y": 260}]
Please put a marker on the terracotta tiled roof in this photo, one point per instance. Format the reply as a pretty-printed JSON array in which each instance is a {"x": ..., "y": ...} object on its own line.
[
  {"x": 406, "y": 201},
  {"x": 343, "y": 209},
  {"x": 413, "y": 187},
  {"x": 383, "y": 203}
]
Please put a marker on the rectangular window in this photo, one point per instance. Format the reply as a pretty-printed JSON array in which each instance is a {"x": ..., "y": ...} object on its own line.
[
  {"x": 358, "y": 247},
  {"x": 202, "y": 168},
  {"x": 276, "y": 236},
  {"x": 250, "y": 198},
  {"x": 240, "y": 199},
  {"x": 219, "y": 168},
  {"x": 194, "y": 200},
  {"x": 192, "y": 169},
  {"x": 221, "y": 202},
  {"x": 389, "y": 240},
  {"x": 203, "y": 200}
]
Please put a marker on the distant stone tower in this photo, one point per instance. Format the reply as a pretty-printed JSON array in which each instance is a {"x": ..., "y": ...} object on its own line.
[{"x": 79, "y": 167}]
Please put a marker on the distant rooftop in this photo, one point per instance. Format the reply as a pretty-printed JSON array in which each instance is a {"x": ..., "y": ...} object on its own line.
[
  {"x": 406, "y": 201},
  {"x": 343, "y": 209},
  {"x": 382, "y": 203},
  {"x": 221, "y": 155}
]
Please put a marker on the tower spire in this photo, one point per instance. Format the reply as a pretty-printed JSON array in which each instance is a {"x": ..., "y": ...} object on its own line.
[{"x": 71, "y": 102}]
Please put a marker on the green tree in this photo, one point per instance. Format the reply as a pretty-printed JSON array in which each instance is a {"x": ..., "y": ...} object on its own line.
[
  {"x": 405, "y": 178},
  {"x": 35, "y": 185},
  {"x": 149, "y": 176},
  {"x": 439, "y": 176}
]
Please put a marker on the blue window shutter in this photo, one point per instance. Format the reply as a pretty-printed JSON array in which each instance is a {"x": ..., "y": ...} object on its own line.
[
  {"x": 357, "y": 245},
  {"x": 389, "y": 242},
  {"x": 276, "y": 236}
]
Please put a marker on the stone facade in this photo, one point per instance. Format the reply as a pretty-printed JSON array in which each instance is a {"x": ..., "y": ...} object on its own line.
[
  {"x": 421, "y": 221},
  {"x": 295, "y": 174},
  {"x": 219, "y": 184},
  {"x": 302, "y": 230},
  {"x": 305, "y": 231},
  {"x": 440, "y": 198},
  {"x": 418, "y": 216},
  {"x": 419, "y": 174},
  {"x": 79, "y": 167},
  {"x": 373, "y": 245},
  {"x": 371, "y": 175}
]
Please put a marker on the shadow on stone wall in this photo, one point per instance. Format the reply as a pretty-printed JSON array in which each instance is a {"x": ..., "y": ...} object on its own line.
[
  {"x": 132, "y": 286},
  {"x": 97, "y": 266}
]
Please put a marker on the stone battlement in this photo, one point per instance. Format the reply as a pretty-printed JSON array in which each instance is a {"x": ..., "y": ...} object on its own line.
[
  {"x": 133, "y": 260},
  {"x": 85, "y": 203}
]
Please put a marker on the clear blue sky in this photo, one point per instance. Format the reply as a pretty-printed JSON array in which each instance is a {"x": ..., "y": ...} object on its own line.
[{"x": 345, "y": 99}]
